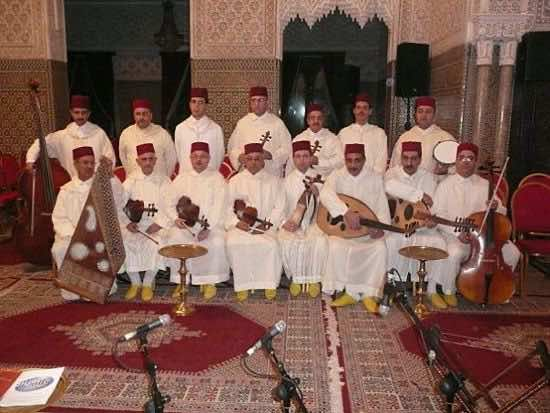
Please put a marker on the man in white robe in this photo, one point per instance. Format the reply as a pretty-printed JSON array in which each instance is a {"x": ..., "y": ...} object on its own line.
[
  {"x": 252, "y": 246},
  {"x": 356, "y": 266},
  {"x": 206, "y": 189},
  {"x": 70, "y": 202},
  {"x": 145, "y": 131},
  {"x": 198, "y": 127},
  {"x": 371, "y": 136},
  {"x": 303, "y": 245},
  {"x": 329, "y": 156},
  {"x": 80, "y": 132},
  {"x": 427, "y": 133},
  {"x": 141, "y": 252},
  {"x": 460, "y": 195},
  {"x": 257, "y": 125},
  {"x": 409, "y": 182}
]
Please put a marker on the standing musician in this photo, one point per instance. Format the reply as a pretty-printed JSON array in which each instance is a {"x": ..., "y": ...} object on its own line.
[
  {"x": 330, "y": 155},
  {"x": 251, "y": 241},
  {"x": 357, "y": 266},
  {"x": 140, "y": 232},
  {"x": 460, "y": 195},
  {"x": 303, "y": 246},
  {"x": 198, "y": 127},
  {"x": 258, "y": 124},
  {"x": 207, "y": 190},
  {"x": 410, "y": 182},
  {"x": 427, "y": 133},
  {"x": 371, "y": 136},
  {"x": 79, "y": 132},
  {"x": 145, "y": 131},
  {"x": 70, "y": 202}
]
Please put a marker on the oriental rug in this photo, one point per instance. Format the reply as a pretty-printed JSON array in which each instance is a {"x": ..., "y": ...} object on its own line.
[{"x": 198, "y": 356}]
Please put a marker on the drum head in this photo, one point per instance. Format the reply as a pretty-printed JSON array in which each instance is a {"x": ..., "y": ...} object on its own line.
[{"x": 445, "y": 152}]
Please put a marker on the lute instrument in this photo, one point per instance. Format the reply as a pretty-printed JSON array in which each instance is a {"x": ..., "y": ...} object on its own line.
[{"x": 336, "y": 226}]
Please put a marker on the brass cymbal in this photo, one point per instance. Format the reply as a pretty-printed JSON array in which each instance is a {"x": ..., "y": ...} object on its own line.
[
  {"x": 183, "y": 251},
  {"x": 419, "y": 252}
]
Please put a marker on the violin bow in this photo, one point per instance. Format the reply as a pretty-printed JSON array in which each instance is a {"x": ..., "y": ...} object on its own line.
[{"x": 499, "y": 180}]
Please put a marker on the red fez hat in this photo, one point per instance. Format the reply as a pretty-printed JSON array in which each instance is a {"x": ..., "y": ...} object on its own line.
[
  {"x": 80, "y": 101},
  {"x": 141, "y": 104},
  {"x": 258, "y": 91},
  {"x": 424, "y": 101},
  {"x": 412, "y": 146},
  {"x": 362, "y": 97},
  {"x": 301, "y": 146},
  {"x": 200, "y": 146},
  {"x": 467, "y": 146},
  {"x": 82, "y": 151},
  {"x": 145, "y": 148},
  {"x": 199, "y": 92},
  {"x": 314, "y": 107},
  {"x": 355, "y": 148},
  {"x": 253, "y": 148}
]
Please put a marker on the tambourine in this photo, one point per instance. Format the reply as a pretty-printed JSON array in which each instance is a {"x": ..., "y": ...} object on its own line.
[{"x": 445, "y": 152}]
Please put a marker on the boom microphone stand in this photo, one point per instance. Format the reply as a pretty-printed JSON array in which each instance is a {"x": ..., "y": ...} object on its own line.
[
  {"x": 287, "y": 390},
  {"x": 157, "y": 401}
]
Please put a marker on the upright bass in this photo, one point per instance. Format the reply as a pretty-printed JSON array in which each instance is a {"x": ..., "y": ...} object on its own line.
[
  {"x": 34, "y": 234},
  {"x": 484, "y": 277}
]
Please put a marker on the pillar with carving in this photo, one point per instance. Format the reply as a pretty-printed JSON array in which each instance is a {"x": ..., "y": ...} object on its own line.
[
  {"x": 32, "y": 49},
  {"x": 504, "y": 102},
  {"x": 234, "y": 45},
  {"x": 484, "y": 49}
]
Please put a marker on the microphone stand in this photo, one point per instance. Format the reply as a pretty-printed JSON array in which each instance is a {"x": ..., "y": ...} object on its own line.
[
  {"x": 452, "y": 384},
  {"x": 287, "y": 389},
  {"x": 157, "y": 401}
]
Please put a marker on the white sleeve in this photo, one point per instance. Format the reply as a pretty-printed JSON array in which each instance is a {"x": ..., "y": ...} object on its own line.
[
  {"x": 51, "y": 146},
  {"x": 123, "y": 150},
  {"x": 381, "y": 162},
  {"x": 62, "y": 225},
  {"x": 231, "y": 219},
  {"x": 170, "y": 157},
  {"x": 329, "y": 198},
  {"x": 234, "y": 146}
]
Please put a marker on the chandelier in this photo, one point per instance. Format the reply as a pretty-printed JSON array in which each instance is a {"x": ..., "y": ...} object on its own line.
[{"x": 168, "y": 38}]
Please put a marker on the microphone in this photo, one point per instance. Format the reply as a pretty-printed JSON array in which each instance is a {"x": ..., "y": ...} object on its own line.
[
  {"x": 275, "y": 330},
  {"x": 145, "y": 328},
  {"x": 390, "y": 290}
]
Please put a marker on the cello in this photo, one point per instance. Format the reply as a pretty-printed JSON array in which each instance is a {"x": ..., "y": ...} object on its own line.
[
  {"x": 484, "y": 277},
  {"x": 34, "y": 234}
]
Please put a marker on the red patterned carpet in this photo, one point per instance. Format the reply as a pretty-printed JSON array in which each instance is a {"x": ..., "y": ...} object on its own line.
[{"x": 348, "y": 360}]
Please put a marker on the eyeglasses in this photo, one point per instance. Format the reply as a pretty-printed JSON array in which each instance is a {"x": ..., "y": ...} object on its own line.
[{"x": 464, "y": 158}]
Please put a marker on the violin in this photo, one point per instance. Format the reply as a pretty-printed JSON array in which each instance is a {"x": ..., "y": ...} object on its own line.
[
  {"x": 249, "y": 215},
  {"x": 484, "y": 277},
  {"x": 298, "y": 215},
  {"x": 134, "y": 210},
  {"x": 190, "y": 213}
]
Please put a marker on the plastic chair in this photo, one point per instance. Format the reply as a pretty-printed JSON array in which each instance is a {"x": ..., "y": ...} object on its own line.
[{"x": 530, "y": 207}]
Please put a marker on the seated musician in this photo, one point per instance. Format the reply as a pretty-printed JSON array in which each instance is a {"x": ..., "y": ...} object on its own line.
[
  {"x": 203, "y": 188},
  {"x": 251, "y": 241},
  {"x": 460, "y": 195},
  {"x": 303, "y": 245},
  {"x": 409, "y": 182},
  {"x": 144, "y": 188},
  {"x": 356, "y": 266},
  {"x": 70, "y": 202}
]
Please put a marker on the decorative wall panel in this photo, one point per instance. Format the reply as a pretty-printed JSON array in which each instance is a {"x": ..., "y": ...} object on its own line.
[
  {"x": 229, "y": 29},
  {"x": 137, "y": 67},
  {"x": 228, "y": 82},
  {"x": 19, "y": 127}
]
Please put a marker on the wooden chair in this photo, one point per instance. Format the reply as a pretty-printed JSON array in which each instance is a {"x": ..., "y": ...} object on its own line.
[{"x": 530, "y": 207}]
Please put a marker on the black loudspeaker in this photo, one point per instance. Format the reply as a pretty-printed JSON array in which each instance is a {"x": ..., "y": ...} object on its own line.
[
  {"x": 537, "y": 55},
  {"x": 412, "y": 70}
]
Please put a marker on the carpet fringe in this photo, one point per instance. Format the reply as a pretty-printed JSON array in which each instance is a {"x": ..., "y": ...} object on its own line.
[{"x": 335, "y": 370}]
